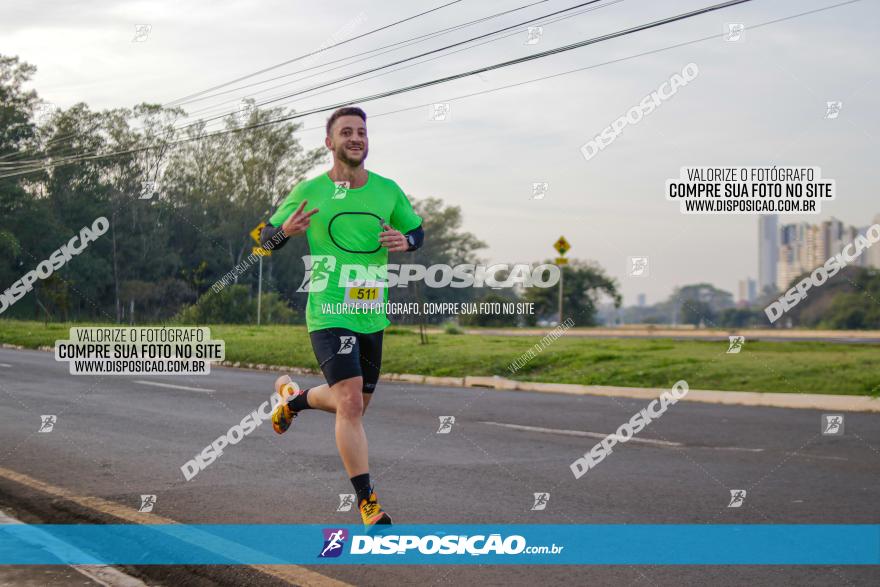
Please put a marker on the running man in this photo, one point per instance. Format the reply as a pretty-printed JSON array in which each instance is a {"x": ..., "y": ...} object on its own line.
[{"x": 350, "y": 217}]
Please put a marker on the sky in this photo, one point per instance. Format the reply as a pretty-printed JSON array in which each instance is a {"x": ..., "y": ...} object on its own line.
[{"x": 760, "y": 101}]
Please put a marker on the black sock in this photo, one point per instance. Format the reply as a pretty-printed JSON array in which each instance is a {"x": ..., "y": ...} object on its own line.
[
  {"x": 361, "y": 485},
  {"x": 300, "y": 402}
]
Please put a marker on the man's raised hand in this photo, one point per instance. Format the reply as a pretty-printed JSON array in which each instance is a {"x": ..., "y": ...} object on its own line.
[{"x": 298, "y": 222}]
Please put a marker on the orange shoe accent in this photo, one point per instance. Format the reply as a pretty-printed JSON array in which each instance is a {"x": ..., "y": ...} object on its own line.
[
  {"x": 371, "y": 512},
  {"x": 282, "y": 416}
]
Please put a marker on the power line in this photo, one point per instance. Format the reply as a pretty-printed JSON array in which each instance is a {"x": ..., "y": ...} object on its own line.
[
  {"x": 387, "y": 65},
  {"x": 474, "y": 72},
  {"x": 412, "y": 40},
  {"x": 502, "y": 37},
  {"x": 430, "y": 83},
  {"x": 406, "y": 42},
  {"x": 300, "y": 57},
  {"x": 382, "y": 67}
]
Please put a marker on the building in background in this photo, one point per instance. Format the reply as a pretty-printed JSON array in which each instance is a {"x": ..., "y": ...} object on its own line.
[
  {"x": 768, "y": 251},
  {"x": 748, "y": 292},
  {"x": 804, "y": 246},
  {"x": 642, "y": 301},
  {"x": 792, "y": 259},
  {"x": 872, "y": 255}
]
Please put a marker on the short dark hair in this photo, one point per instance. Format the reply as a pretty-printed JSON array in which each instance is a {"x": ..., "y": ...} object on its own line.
[{"x": 345, "y": 111}]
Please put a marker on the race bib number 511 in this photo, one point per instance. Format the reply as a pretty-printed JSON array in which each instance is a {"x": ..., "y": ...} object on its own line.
[{"x": 366, "y": 295}]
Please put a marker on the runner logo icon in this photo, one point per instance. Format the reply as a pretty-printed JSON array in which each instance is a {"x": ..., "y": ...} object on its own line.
[
  {"x": 446, "y": 423},
  {"x": 737, "y": 497},
  {"x": 541, "y": 500},
  {"x": 736, "y": 344},
  {"x": 317, "y": 274},
  {"x": 341, "y": 190},
  {"x": 47, "y": 423},
  {"x": 346, "y": 345},
  {"x": 346, "y": 500},
  {"x": 147, "y": 503},
  {"x": 832, "y": 424},
  {"x": 334, "y": 541}
]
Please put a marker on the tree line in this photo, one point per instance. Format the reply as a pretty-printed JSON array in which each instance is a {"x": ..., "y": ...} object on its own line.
[{"x": 181, "y": 203}]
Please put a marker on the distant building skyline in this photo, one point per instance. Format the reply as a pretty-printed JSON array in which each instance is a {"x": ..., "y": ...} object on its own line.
[
  {"x": 804, "y": 246},
  {"x": 768, "y": 251},
  {"x": 748, "y": 291}
]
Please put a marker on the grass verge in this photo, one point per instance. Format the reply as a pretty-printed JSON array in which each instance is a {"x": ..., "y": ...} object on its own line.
[{"x": 791, "y": 367}]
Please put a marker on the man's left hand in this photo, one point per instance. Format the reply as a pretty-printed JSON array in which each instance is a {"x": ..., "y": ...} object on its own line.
[{"x": 393, "y": 240}]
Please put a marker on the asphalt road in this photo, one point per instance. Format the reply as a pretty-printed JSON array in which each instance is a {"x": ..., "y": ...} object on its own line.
[{"x": 116, "y": 438}]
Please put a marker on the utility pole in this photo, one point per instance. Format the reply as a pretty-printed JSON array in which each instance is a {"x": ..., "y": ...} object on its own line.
[
  {"x": 260, "y": 290},
  {"x": 561, "y": 247},
  {"x": 260, "y": 252}
]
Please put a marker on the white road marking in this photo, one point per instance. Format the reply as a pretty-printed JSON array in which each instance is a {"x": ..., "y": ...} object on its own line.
[
  {"x": 101, "y": 574},
  {"x": 172, "y": 386},
  {"x": 735, "y": 448},
  {"x": 800, "y": 454},
  {"x": 599, "y": 435},
  {"x": 581, "y": 433},
  {"x": 7, "y": 365}
]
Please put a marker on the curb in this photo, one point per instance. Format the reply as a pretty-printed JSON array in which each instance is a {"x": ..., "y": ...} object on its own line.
[{"x": 803, "y": 401}]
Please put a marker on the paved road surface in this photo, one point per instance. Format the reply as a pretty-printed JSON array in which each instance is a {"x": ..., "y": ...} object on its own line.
[{"x": 116, "y": 439}]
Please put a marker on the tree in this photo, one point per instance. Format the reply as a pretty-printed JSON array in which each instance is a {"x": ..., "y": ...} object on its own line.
[
  {"x": 584, "y": 284},
  {"x": 445, "y": 244},
  {"x": 701, "y": 303}
]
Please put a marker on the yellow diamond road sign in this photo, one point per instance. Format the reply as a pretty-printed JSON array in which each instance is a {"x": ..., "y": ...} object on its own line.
[
  {"x": 561, "y": 245},
  {"x": 255, "y": 233}
]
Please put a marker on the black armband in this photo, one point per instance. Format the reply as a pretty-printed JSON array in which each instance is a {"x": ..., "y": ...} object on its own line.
[
  {"x": 415, "y": 238},
  {"x": 272, "y": 237}
]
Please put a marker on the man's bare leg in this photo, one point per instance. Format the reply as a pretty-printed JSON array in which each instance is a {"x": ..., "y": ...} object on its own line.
[
  {"x": 347, "y": 400},
  {"x": 320, "y": 396}
]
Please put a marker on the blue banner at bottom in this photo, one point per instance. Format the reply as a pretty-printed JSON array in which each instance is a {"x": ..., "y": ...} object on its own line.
[{"x": 261, "y": 544}]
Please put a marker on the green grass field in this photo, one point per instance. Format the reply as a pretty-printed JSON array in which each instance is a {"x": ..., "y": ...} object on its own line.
[{"x": 793, "y": 367}]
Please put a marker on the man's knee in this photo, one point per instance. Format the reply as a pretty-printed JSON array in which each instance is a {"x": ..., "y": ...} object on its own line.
[{"x": 349, "y": 398}]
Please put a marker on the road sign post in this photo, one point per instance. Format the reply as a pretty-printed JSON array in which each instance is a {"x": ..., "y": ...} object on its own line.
[
  {"x": 259, "y": 290},
  {"x": 561, "y": 247},
  {"x": 560, "y": 296},
  {"x": 260, "y": 252}
]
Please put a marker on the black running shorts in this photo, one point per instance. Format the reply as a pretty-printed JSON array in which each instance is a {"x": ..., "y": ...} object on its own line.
[{"x": 343, "y": 354}]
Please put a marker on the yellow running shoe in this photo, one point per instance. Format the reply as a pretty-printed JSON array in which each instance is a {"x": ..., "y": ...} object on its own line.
[
  {"x": 372, "y": 513},
  {"x": 282, "y": 416}
]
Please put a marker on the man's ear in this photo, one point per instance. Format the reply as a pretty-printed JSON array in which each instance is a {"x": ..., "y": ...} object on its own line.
[{"x": 328, "y": 143}]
